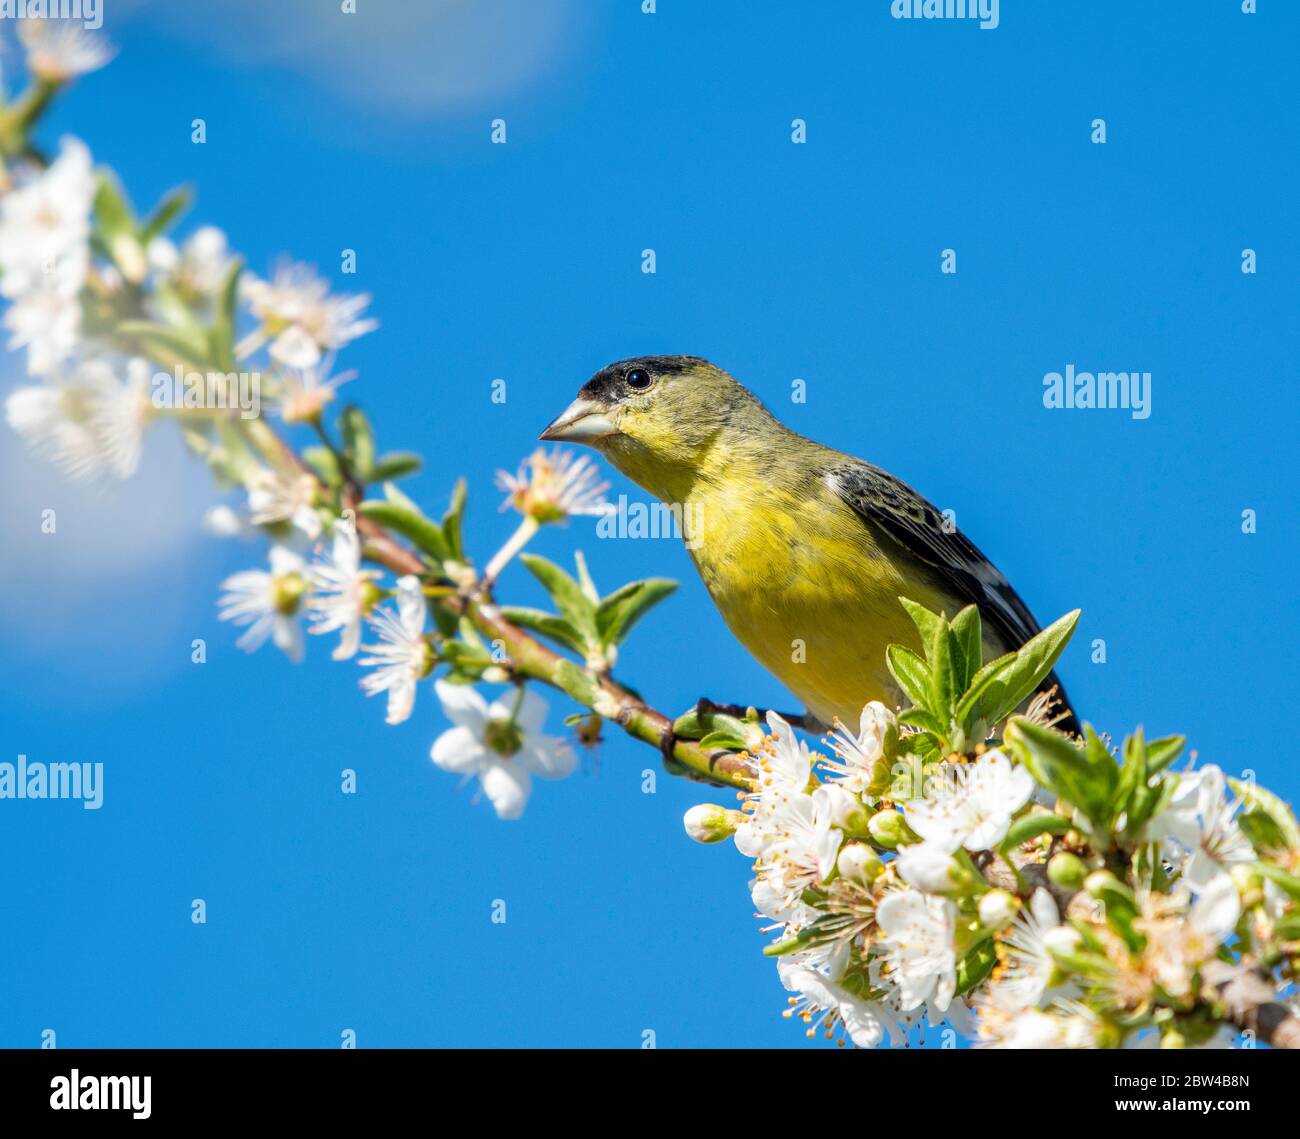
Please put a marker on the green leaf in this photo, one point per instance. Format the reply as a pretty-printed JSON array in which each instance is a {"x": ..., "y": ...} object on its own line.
[
  {"x": 1001, "y": 686},
  {"x": 548, "y": 624},
  {"x": 911, "y": 673},
  {"x": 358, "y": 442},
  {"x": 452, "y": 520},
  {"x": 1162, "y": 752},
  {"x": 585, "y": 579},
  {"x": 1119, "y": 905},
  {"x": 969, "y": 633},
  {"x": 567, "y": 594},
  {"x": 1287, "y": 928},
  {"x": 1032, "y": 825},
  {"x": 1133, "y": 772},
  {"x": 928, "y": 624},
  {"x": 975, "y": 966},
  {"x": 1149, "y": 801},
  {"x": 622, "y": 609},
  {"x": 1289, "y": 882},
  {"x": 395, "y": 465},
  {"x": 222, "y": 335},
  {"x": 410, "y": 523},
  {"x": 942, "y": 663},
  {"x": 925, "y": 745},
  {"x": 920, "y": 718},
  {"x": 1062, "y": 766},
  {"x": 168, "y": 347},
  {"x": 169, "y": 208},
  {"x": 394, "y": 494},
  {"x": 1257, "y": 798},
  {"x": 324, "y": 463},
  {"x": 723, "y": 739},
  {"x": 943, "y": 673},
  {"x": 973, "y": 700},
  {"x": 115, "y": 230},
  {"x": 792, "y": 944},
  {"x": 114, "y": 216}
]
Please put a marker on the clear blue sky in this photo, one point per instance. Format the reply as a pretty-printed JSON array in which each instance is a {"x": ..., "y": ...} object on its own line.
[{"x": 522, "y": 261}]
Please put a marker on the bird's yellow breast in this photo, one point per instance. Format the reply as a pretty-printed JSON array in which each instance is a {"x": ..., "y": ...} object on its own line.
[{"x": 803, "y": 586}]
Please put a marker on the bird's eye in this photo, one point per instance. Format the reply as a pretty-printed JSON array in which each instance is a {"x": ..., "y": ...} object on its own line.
[{"x": 639, "y": 379}]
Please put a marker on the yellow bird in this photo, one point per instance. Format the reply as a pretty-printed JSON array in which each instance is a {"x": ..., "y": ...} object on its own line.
[{"x": 804, "y": 550}]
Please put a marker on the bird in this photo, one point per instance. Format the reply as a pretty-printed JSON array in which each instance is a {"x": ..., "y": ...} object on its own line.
[{"x": 804, "y": 550}]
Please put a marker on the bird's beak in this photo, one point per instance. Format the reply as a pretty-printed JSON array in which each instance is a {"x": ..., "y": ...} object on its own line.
[{"x": 583, "y": 421}]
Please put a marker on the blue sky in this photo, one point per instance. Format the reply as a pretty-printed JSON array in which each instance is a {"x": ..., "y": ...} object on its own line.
[{"x": 822, "y": 262}]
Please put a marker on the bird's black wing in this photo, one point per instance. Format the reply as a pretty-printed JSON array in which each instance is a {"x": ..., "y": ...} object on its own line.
[{"x": 912, "y": 530}]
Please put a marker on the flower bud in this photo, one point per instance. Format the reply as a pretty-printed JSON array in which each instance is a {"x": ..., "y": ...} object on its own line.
[
  {"x": 858, "y": 863},
  {"x": 929, "y": 868},
  {"x": 878, "y": 730},
  {"x": 998, "y": 909},
  {"x": 890, "y": 830},
  {"x": 1064, "y": 939},
  {"x": 708, "y": 822},
  {"x": 843, "y": 807},
  {"x": 1067, "y": 870}
]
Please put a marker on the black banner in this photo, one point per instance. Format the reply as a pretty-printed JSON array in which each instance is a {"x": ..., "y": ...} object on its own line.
[{"x": 368, "y": 1085}]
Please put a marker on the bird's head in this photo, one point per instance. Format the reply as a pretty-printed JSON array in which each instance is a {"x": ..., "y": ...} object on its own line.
[{"x": 656, "y": 418}]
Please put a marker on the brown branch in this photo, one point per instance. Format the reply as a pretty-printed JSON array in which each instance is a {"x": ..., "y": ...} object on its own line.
[{"x": 530, "y": 658}]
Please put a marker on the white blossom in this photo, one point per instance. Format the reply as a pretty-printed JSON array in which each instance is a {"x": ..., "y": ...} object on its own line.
[
  {"x": 46, "y": 320},
  {"x": 918, "y": 934},
  {"x": 928, "y": 866},
  {"x": 89, "y": 423},
  {"x": 403, "y": 656},
  {"x": 800, "y": 848},
  {"x": 59, "y": 49},
  {"x": 1028, "y": 961},
  {"x": 307, "y": 390},
  {"x": 1200, "y": 821},
  {"x": 204, "y": 262},
  {"x": 268, "y": 602},
  {"x": 339, "y": 590},
  {"x": 279, "y": 496},
  {"x": 781, "y": 768},
  {"x": 975, "y": 806},
  {"x": 551, "y": 487},
  {"x": 1005, "y": 1023},
  {"x": 1179, "y": 938},
  {"x": 827, "y": 1006},
  {"x": 45, "y": 225},
  {"x": 860, "y": 755},
  {"x": 501, "y": 744},
  {"x": 300, "y": 317}
]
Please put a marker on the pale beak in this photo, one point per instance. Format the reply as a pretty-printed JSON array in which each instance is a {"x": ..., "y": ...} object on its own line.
[{"x": 583, "y": 421}]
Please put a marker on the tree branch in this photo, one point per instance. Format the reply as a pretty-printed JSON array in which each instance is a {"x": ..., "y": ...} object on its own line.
[
  {"x": 532, "y": 659},
  {"x": 1249, "y": 1001}
]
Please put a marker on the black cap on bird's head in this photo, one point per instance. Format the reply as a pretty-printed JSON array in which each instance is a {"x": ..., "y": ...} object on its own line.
[
  {"x": 658, "y": 419},
  {"x": 592, "y": 416}
]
